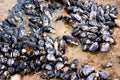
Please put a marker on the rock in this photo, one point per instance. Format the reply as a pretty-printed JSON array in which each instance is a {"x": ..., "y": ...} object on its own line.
[
  {"x": 16, "y": 77},
  {"x": 117, "y": 22}
]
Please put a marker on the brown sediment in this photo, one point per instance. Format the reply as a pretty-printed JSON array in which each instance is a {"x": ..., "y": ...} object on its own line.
[
  {"x": 94, "y": 59},
  {"x": 28, "y": 49}
]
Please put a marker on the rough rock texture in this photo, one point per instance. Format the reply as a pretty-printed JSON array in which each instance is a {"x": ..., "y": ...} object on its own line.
[{"x": 93, "y": 59}]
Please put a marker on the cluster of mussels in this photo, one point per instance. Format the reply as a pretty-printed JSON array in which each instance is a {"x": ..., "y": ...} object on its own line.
[
  {"x": 28, "y": 51},
  {"x": 92, "y": 23}
]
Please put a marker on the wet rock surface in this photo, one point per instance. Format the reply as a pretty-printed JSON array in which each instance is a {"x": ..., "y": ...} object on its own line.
[{"x": 92, "y": 59}]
